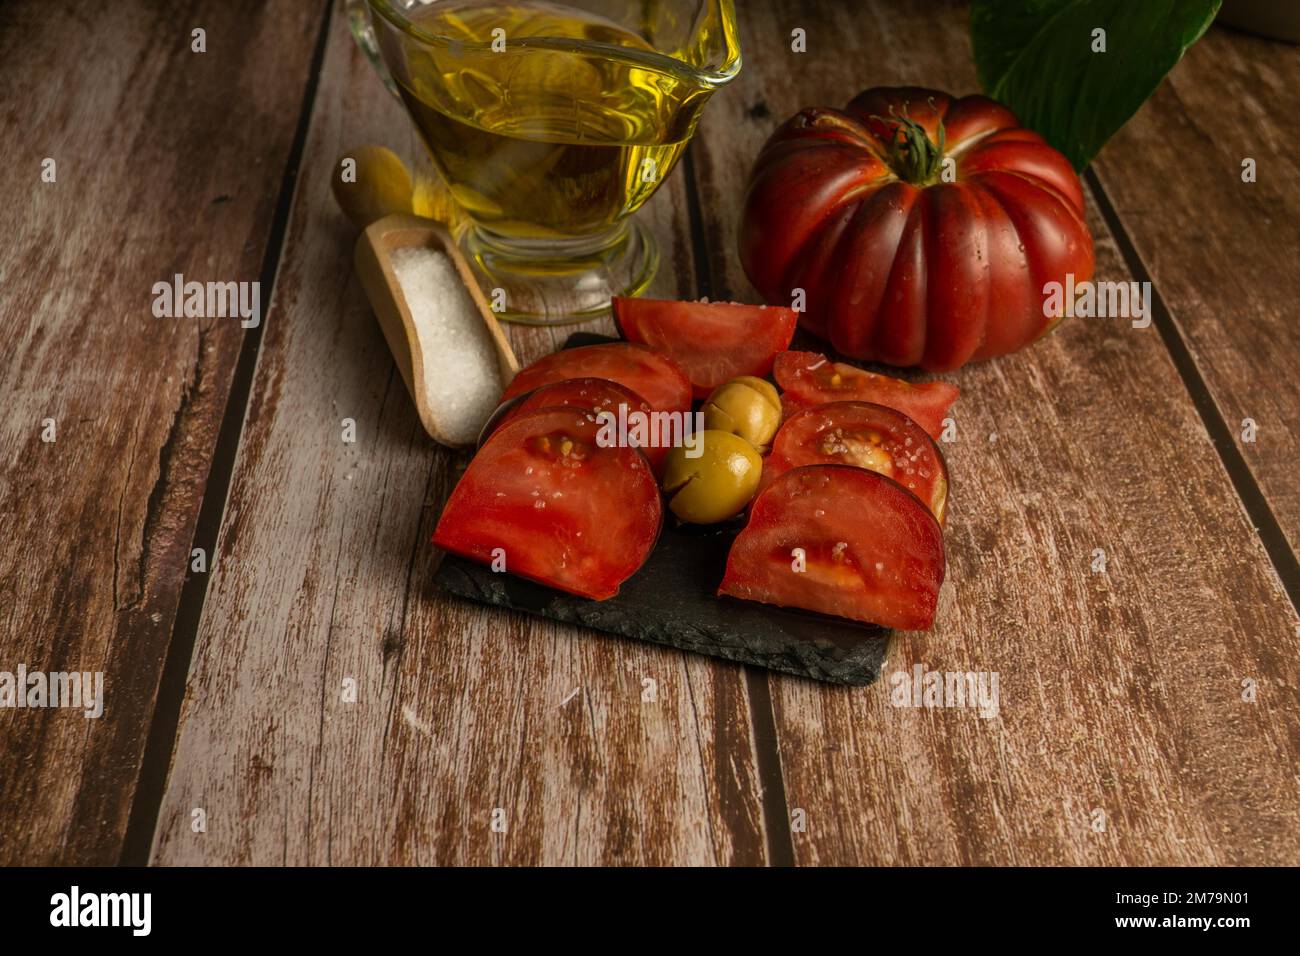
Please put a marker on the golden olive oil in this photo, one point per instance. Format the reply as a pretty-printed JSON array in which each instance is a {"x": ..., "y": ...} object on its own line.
[{"x": 540, "y": 126}]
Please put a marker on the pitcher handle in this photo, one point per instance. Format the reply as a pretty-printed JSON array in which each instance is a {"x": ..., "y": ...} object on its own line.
[{"x": 363, "y": 31}]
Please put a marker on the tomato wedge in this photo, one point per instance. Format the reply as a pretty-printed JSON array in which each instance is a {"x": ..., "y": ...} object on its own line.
[
  {"x": 713, "y": 342},
  {"x": 558, "y": 508},
  {"x": 864, "y": 435},
  {"x": 810, "y": 378},
  {"x": 868, "y": 548},
  {"x": 655, "y": 377},
  {"x": 592, "y": 394}
]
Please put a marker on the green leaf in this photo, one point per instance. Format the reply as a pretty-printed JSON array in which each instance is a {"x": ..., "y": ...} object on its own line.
[{"x": 1037, "y": 57}]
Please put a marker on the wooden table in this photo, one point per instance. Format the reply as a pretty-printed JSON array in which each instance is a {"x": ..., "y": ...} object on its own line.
[{"x": 1127, "y": 733}]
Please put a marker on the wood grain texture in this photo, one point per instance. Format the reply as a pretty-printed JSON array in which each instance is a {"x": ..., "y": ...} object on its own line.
[
  {"x": 166, "y": 161},
  {"x": 1120, "y": 691},
  {"x": 323, "y": 575},
  {"x": 1223, "y": 251}
]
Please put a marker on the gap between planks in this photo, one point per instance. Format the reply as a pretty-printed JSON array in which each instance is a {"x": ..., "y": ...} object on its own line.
[
  {"x": 151, "y": 785},
  {"x": 1252, "y": 497}
]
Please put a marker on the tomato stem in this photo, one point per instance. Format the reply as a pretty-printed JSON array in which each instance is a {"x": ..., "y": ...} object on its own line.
[{"x": 910, "y": 152}]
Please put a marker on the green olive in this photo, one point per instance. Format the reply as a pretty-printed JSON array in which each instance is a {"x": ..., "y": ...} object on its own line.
[
  {"x": 711, "y": 479},
  {"x": 371, "y": 182},
  {"x": 745, "y": 406}
]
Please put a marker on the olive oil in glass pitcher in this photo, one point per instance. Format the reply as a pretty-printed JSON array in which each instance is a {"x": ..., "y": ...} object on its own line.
[{"x": 551, "y": 124}]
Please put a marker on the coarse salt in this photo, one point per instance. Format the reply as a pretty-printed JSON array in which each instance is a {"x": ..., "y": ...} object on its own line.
[{"x": 462, "y": 380}]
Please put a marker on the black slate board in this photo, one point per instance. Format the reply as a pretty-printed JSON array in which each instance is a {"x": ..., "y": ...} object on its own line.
[{"x": 672, "y": 600}]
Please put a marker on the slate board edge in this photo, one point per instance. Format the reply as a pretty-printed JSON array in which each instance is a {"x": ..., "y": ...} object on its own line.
[{"x": 859, "y": 667}]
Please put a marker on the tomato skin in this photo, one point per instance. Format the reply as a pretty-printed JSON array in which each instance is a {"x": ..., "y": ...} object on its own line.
[
  {"x": 591, "y": 394},
  {"x": 564, "y": 511},
  {"x": 871, "y": 549},
  {"x": 934, "y": 275},
  {"x": 652, "y": 375},
  {"x": 808, "y": 379},
  {"x": 864, "y": 435},
  {"x": 713, "y": 342}
]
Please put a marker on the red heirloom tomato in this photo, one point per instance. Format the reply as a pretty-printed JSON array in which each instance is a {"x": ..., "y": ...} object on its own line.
[
  {"x": 843, "y": 541},
  {"x": 865, "y": 436},
  {"x": 560, "y": 509},
  {"x": 593, "y": 394},
  {"x": 899, "y": 264},
  {"x": 653, "y": 376},
  {"x": 713, "y": 342},
  {"x": 810, "y": 378}
]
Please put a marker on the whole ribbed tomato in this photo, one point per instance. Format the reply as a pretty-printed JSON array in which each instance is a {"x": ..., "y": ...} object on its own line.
[{"x": 905, "y": 258}]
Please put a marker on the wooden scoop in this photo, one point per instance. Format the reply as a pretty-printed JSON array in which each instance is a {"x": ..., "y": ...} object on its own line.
[{"x": 374, "y": 264}]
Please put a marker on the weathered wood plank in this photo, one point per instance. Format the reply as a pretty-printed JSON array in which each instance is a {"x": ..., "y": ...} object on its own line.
[
  {"x": 1222, "y": 250},
  {"x": 1120, "y": 691},
  {"x": 166, "y": 161},
  {"x": 323, "y": 575}
]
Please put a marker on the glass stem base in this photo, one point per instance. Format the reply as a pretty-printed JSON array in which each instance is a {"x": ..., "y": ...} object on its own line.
[{"x": 555, "y": 282}]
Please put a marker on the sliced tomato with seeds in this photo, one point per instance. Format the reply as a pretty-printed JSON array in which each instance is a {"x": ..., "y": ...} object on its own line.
[
  {"x": 653, "y": 376},
  {"x": 592, "y": 394},
  {"x": 843, "y": 541},
  {"x": 864, "y": 435},
  {"x": 543, "y": 495},
  {"x": 810, "y": 378},
  {"x": 713, "y": 342}
]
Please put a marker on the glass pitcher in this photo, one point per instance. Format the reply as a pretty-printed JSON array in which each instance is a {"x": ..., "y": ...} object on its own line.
[{"x": 551, "y": 124}]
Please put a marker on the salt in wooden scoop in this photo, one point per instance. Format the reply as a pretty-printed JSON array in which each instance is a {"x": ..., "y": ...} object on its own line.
[{"x": 447, "y": 342}]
